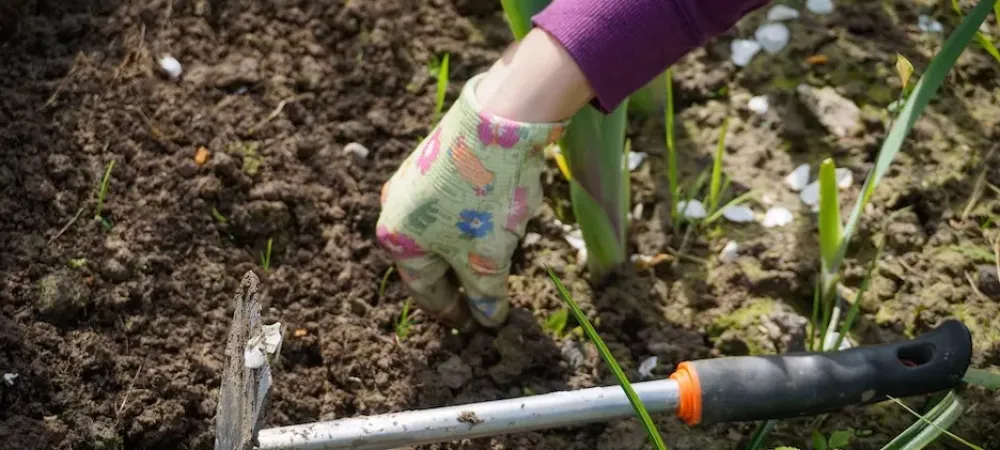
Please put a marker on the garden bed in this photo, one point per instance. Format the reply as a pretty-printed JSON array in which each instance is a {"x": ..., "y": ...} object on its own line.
[{"x": 116, "y": 329}]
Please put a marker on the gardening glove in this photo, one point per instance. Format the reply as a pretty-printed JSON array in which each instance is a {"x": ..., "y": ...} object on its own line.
[{"x": 454, "y": 211}]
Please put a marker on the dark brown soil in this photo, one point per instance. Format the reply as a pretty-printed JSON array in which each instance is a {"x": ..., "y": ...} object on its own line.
[{"x": 117, "y": 330}]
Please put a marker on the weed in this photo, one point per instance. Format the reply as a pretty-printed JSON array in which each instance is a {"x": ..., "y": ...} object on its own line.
[
  {"x": 668, "y": 123},
  {"x": 265, "y": 256},
  {"x": 385, "y": 279},
  {"x": 556, "y": 322},
  {"x": 218, "y": 216},
  {"x": 442, "y": 86},
  {"x": 404, "y": 323},
  {"x": 252, "y": 160},
  {"x": 609, "y": 359},
  {"x": 102, "y": 192},
  {"x": 77, "y": 263}
]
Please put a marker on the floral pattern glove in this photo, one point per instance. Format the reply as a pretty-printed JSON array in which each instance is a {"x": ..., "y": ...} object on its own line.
[{"x": 455, "y": 210}]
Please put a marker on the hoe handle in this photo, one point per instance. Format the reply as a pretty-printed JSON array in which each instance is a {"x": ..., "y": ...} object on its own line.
[{"x": 748, "y": 388}]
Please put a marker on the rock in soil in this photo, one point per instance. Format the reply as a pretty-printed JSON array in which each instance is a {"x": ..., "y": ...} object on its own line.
[{"x": 61, "y": 296}]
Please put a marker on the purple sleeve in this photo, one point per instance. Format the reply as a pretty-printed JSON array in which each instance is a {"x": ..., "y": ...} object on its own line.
[{"x": 621, "y": 45}]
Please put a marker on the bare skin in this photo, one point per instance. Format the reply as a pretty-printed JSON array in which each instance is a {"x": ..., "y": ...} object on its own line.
[{"x": 536, "y": 80}]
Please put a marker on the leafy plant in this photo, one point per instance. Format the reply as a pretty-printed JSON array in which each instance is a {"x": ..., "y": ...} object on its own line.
[
  {"x": 609, "y": 359},
  {"x": 593, "y": 147},
  {"x": 981, "y": 39},
  {"x": 915, "y": 103},
  {"x": 556, "y": 322}
]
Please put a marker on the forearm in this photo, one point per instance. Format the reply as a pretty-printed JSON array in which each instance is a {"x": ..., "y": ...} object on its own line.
[{"x": 622, "y": 45}]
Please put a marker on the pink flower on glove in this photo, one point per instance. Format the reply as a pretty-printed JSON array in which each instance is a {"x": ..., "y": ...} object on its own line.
[
  {"x": 399, "y": 245},
  {"x": 429, "y": 152},
  {"x": 503, "y": 134},
  {"x": 518, "y": 208}
]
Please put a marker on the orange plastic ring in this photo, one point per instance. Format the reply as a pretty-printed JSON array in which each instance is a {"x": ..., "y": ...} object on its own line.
[{"x": 689, "y": 406}]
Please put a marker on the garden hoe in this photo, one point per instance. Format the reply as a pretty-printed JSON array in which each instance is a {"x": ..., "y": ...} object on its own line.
[{"x": 730, "y": 389}]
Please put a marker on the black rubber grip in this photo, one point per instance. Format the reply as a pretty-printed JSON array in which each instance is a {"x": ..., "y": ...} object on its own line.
[{"x": 748, "y": 388}]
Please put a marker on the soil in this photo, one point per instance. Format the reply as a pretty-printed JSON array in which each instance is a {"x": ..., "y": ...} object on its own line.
[{"x": 116, "y": 327}]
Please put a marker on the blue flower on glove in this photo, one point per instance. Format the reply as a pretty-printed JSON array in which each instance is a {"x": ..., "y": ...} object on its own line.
[{"x": 475, "y": 224}]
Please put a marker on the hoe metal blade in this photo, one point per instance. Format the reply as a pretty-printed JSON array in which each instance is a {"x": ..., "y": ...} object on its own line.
[{"x": 246, "y": 380}]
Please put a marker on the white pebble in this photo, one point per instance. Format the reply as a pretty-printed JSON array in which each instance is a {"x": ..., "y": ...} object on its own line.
[
  {"x": 692, "y": 209},
  {"x": 810, "y": 195},
  {"x": 758, "y": 104},
  {"x": 575, "y": 239},
  {"x": 772, "y": 37},
  {"x": 820, "y": 6},
  {"x": 272, "y": 337},
  {"x": 929, "y": 25},
  {"x": 743, "y": 51},
  {"x": 730, "y": 252},
  {"x": 635, "y": 160},
  {"x": 171, "y": 67},
  {"x": 532, "y": 239},
  {"x": 777, "y": 217},
  {"x": 799, "y": 178},
  {"x": 738, "y": 214},
  {"x": 782, "y": 12},
  {"x": 845, "y": 178},
  {"x": 360, "y": 150},
  {"x": 647, "y": 366},
  {"x": 9, "y": 377},
  {"x": 637, "y": 211}
]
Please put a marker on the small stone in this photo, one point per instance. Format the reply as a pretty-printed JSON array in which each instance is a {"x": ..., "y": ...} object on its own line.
[
  {"x": 692, "y": 209},
  {"x": 777, "y": 217},
  {"x": 839, "y": 115},
  {"x": 743, "y": 51},
  {"x": 635, "y": 160},
  {"x": 820, "y": 6},
  {"x": 115, "y": 271},
  {"x": 647, "y": 366},
  {"x": 730, "y": 252},
  {"x": 810, "y": 195},
  {"x": 9, "y": 377},
  {"x": 531, "y": 239},
  {"x": 929, "y": 25},
  {"x": 772, "y": 37},
  {"x": 171, "y": 67},
  {"x": 799, "y": 178},
  {"x": 758, "y": 104},
  {"x": 357, "y": 149},
  {"x": 782, "y": 12},
  {"x": 989, "y": 281},
  {"x": 738, "y": 214},
  {"x": 845, "y": 178},
  {"x": 61, "y": 296},
  {"x": 454, "y": 372}
]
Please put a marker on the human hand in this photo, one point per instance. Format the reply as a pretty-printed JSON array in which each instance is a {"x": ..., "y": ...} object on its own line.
[{"x": 456, "y": 208}]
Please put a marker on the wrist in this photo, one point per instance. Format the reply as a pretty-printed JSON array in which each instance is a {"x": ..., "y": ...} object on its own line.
[{"x": 536, "y": 80}]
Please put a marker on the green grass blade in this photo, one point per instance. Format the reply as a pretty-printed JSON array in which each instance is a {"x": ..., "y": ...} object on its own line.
[
  {"x": 609, "y": 359},
  {"x": 757, "y": 440},
  {"x": 442, "y": 86},
  {"x": 915, "y": 104},
  {"x": 668, "y": 121},
  {"x": 103, "y": 189},
  {"x": 931, "y": 426},
  {"x": 519, "y": 13},
  {"x": 985, "y": 378},
  {"x": 831, "y": 227},
  {"x": 852, "y": 313},
  {"x": 716, "y": 184},
  {"x": 981, "y": 38}
]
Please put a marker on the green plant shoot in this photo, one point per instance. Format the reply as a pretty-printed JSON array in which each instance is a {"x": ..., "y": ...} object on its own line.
[
  {"x": 265, "y": 256},
  {"x": 102, "y": 192},
  {"x": 442, "y": 86},
  {"x": 593, "y": 144}
]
